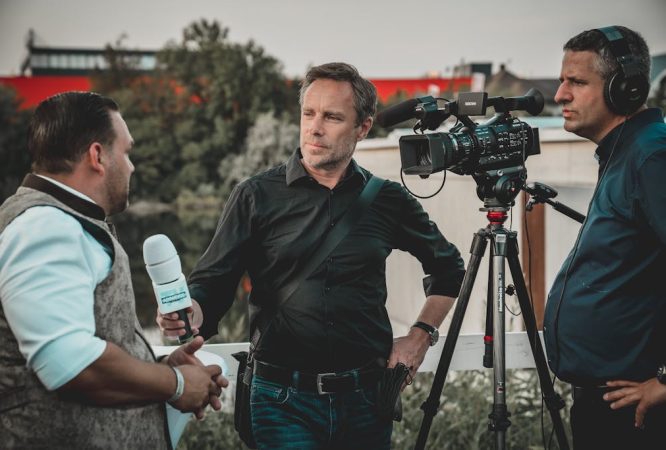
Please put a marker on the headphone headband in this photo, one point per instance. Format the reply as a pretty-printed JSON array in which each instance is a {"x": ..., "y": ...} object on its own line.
[
  {"x": 627, "y": 88},
  {"x": 619, "y": 48}
]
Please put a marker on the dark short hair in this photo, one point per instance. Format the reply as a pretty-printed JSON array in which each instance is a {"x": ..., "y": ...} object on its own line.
[
  {"x": 606, "y": 64},
  {"x": 65, "y": 125},
  {"x": 365, "y": 94}
]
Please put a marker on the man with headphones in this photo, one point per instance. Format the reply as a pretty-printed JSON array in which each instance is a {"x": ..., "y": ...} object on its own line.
[{"x": 606, "y": 313}]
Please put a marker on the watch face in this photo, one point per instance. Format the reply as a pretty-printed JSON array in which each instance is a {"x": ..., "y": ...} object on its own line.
[
  {"x": 434, "y": 337},
  {"x": 661, "y": 374}
]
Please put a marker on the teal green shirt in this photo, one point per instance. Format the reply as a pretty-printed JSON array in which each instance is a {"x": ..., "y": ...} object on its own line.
[{"x": 610, "y": 321}]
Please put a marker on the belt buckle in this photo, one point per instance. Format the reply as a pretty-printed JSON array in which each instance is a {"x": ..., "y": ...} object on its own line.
[{"x": 320, "y": 381}]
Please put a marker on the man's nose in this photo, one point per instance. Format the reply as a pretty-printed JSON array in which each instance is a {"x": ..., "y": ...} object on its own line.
[
  {"x": 316, "y": 127},
  {"x": 562, "y": 95}
]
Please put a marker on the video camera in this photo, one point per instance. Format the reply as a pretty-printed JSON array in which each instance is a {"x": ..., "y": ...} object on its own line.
[{"x": 493, "y": 152}]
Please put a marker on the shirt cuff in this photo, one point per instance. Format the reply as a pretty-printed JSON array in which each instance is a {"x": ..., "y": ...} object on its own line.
[
  {"x": 448, "y": 287},
  {"x": 62, "y": 359},
  {"x": 209, "y": 327}
]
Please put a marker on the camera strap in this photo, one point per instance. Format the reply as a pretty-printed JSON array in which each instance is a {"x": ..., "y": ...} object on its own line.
[{"x": 336, "y": 234}]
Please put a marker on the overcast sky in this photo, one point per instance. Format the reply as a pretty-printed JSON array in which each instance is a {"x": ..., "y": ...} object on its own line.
[{"x": 383, "y": 38}]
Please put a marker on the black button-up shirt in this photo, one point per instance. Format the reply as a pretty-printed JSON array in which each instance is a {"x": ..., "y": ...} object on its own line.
[
  {"x": 336, "y": 319},
  {"x": 610, "y": 323}
]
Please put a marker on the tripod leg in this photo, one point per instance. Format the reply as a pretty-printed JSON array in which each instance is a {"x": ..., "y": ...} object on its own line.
[
  {"x": 488, "y": 336},
  {"x": 431, "y": 404},
  {"x": 553, "y": 400},
  {"x": 499, "y": 416}
]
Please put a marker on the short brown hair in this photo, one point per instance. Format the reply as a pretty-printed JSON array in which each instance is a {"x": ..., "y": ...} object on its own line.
[
  {"x": 365, "y": 94},
  {"x": 65, "y": 125}
]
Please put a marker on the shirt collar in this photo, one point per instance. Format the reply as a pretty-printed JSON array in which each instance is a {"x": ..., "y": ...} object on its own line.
[
  {"x": 625, "y": 130},
  {"x": 296, "y": 171},
  {"x": 65, "y": 194}
]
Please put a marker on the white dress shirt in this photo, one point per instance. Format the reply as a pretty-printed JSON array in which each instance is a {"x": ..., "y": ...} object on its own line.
[{"x": 49, "y": 269}]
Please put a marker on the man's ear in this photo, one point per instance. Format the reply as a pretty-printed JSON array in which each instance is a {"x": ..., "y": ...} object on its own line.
[
  {"x": 366, "y": 125},
  {"x": 95, "y": 158}
]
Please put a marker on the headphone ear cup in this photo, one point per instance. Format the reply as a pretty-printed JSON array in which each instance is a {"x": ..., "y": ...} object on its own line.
[
  {"x": 625, "y": 95},
  {"x": 635, "y": 91},
  {"x": 609, "y": 95}
]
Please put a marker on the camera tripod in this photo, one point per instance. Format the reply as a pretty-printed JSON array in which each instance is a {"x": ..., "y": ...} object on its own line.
[{"x": 504, "y": 247}]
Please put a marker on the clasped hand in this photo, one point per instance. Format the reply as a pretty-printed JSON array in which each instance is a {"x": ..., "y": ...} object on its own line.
[{"x": 203, "y": 384}]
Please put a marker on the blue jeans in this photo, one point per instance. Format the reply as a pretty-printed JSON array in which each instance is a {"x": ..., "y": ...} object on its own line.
[{"x": 286, "y": 418}]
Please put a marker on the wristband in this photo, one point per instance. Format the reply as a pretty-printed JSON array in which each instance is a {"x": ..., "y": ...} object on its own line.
[{"x": 180, "y": 385}]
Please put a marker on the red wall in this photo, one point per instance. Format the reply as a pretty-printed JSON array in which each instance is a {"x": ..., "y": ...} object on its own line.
[
  {"x": 419, "y": 86},
  {"x": 33, "y": 90}
]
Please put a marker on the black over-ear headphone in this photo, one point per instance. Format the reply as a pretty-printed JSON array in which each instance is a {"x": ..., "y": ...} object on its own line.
[{"x": 627, "y": 88}]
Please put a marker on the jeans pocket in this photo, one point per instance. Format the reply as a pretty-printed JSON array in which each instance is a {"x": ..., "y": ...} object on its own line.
[
  {"x": 264, "y": 391},
  {"x": 368, "y": 396}
]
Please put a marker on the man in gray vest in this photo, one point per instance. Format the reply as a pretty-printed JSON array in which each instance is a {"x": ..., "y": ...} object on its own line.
[{"x": 75, "y": 368}]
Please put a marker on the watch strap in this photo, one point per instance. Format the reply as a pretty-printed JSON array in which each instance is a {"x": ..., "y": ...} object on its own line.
[
  {"x": 432, "y": 331},
  {"x": 425, "y": 327}
]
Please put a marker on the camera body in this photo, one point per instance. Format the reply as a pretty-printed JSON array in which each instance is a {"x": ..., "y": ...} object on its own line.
[
  {"x": 493, "y": 152},
  {"x": 502, "y": 142}
]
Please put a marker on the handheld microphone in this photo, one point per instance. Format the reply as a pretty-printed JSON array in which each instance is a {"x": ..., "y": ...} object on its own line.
[{"x": 171, "y": 292}]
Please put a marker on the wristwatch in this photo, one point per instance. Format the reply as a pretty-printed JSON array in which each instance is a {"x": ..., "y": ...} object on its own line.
[
  {"x": 661, "y": 374},
  {"x": 432, "y": 331}
]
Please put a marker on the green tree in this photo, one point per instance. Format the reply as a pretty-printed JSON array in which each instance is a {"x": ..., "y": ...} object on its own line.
[
  {"x": 269, "y": 142},
  {"x": 13, "y": 140},
  {"x": 196, "y": 108}
]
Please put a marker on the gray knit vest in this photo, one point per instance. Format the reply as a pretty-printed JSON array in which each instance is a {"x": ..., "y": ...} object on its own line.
[{"x": 31, "y": 416}]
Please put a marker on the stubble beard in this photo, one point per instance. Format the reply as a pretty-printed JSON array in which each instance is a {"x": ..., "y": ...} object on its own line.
[
  {"x": 336, "y": 158},
  {"x": 118, "y": 195}
]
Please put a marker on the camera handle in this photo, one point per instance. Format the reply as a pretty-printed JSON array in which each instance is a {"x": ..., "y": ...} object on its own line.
[
  {"x": 504, "y": 248},
  {"x": 542, "y": 193}
]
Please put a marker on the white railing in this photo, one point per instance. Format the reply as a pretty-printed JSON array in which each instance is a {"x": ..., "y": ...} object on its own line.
[{"x": 468, "y": 354}]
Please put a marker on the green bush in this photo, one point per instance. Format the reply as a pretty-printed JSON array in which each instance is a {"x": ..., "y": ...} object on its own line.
[{"x": 460, "y": 423}]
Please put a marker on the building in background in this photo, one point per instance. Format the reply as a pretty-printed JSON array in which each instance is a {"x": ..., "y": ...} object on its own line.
[{"x": 47, "y": 71}]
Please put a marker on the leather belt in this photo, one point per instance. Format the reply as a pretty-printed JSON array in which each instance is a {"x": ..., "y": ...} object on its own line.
[
  {"x": 589, "y": 392},
  {"x": 322, "y": 383}
]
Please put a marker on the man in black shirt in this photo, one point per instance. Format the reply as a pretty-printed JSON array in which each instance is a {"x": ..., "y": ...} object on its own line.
[
  {"x": 606, "y": 313},
  {"x": 335, "y": 325}
]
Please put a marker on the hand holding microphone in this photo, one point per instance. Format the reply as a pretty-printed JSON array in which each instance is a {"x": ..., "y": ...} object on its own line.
[{"x": 171, "y": 292}]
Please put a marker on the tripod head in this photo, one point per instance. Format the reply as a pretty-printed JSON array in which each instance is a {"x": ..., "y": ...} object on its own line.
[{"x": 499, "y": 188}]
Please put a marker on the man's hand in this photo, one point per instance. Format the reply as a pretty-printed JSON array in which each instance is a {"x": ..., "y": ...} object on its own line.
[
  {"x": 410, "y": 350},
  {"x": 646, "y": 395},
  {"x": 202, "y": 383},
  {"x": 172, "y": 327},
  {"x": 185, "y": 355}
]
